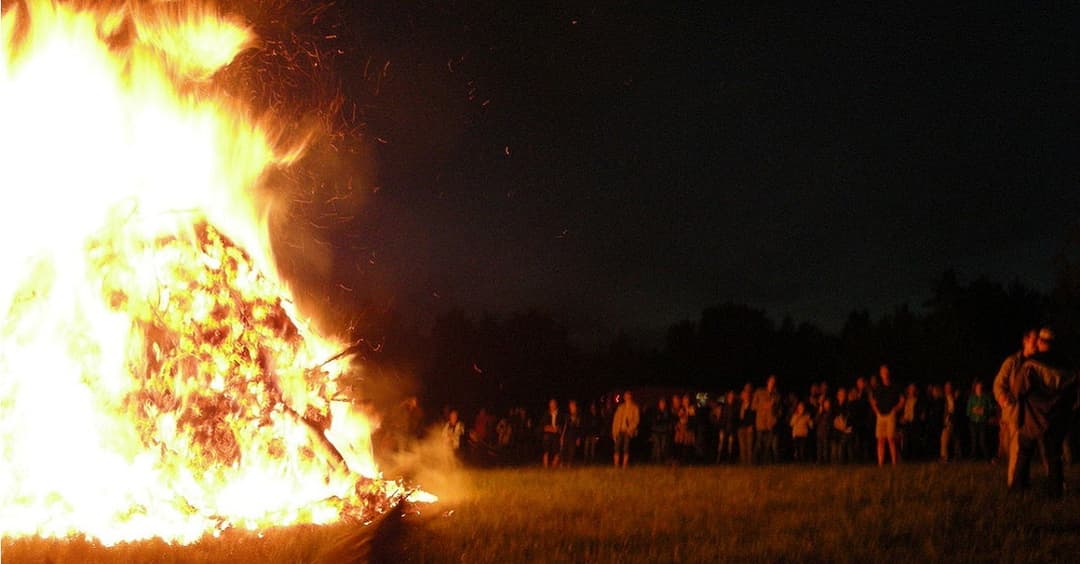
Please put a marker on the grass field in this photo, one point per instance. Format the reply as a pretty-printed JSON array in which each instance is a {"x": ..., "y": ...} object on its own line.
[{"x": 917, "y": 512}]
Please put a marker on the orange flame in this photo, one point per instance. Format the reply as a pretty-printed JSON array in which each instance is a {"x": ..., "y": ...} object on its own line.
[{"x": 154, "y": 379}]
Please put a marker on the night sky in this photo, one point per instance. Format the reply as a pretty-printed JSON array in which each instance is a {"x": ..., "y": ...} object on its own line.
[{"x": 625, "y": 165}]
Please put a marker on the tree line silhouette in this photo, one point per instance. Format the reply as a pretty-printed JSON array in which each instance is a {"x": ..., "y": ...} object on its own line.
[{"x": 961, "y": 333}]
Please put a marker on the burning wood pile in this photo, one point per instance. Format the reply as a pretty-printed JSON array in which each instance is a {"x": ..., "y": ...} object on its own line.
[{"x": 155, "y": 379}]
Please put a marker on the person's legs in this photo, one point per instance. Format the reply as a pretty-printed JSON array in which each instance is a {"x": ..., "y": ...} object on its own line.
[
  {"x": 1012, "y": 454},
  {"x": 746, "y": 444},
  {"x": 1055, "y": 468},
  {"x": 1025, "y": 450}
]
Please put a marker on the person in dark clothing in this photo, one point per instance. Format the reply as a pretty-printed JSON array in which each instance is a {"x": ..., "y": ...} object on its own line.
[
  {"x": 979, "y": 408},
  {"x": 1047, "y": 395},
  {"x": 594, "y": 428},
  {"x": 729, "y": 426},
  {"x": 747, "y": 417},
  {"x": 661, "y": 430},
  {"x": 573, "y": 431},
  {"x": 935, "y": 418},
  {"x": 860, "y": 417},
  {"x": 843, "y": 445},
  {"x": 887, "y": 400},
  {"x": 552, "y": 425},
  {"x": 823, "y": 429}
]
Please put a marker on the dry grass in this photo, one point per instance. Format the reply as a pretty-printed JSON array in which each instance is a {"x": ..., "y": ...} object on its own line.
[{"x": 660, "y": 514}]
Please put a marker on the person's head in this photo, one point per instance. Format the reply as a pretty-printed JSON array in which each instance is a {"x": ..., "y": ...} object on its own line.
[
  {"x": 800, "y": 407},
  {"x": 553, "y": 405},
  {"x": 745, "y": 394},
  {"x": 935, "y": 391},
  {"x": 730, "y": 397},
  {"x": 815, "y": 389},
  {"x": 453, "y": 416},
  {"x": 770, "y": 383},
  {"x": 841, "y": 395},
  {"x": 860, "y": 384},
  {"x": 852, "y": 394},
  {"x": 675, "y": 401},
  {"x": 826, "y": 404},
  {"x": 883, "y": 375},
  {"x": 661, "y": 404},
  {"x": 912, "y": 390},
  {"x": 978, "y": 387},
  {"x": 1045, "y": 340},
  {"x": 948, "y": 388},
  {"x": 571, "y": 406},
  {"x": 1029, "y": 343},
  {"x": 628, "y": 396}
]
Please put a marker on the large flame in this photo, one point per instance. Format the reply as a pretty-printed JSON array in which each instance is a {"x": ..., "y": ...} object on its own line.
[{"x": 154, "y": 380}]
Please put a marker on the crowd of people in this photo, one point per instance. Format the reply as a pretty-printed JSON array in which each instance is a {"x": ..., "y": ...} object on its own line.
[{"x": 1028, "y": 409}]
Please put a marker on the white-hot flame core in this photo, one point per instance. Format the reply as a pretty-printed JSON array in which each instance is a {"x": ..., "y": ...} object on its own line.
[{"x": 141, "y": 305}]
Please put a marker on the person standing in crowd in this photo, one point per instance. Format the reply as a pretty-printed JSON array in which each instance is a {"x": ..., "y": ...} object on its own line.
[
  {"x": 711, "y": 428},
  {"x": 661, "y": 431},
  {"x": 886, "y": 400},
  {"x": 573, "y": 430},
  {"x": 480, "y": 436},
  {"x": 504, "y": 434},
  {"x": 949, "y": 442},
  {"x": 453, "y": 430},
  {"x": 409, "y": 423},
  {"x": 624, "y": 427},
  {"x": 746, "y": 425},
  {"x": 767, "y": 406},
  {"x": 729, "y": 427},
  {"x": 858, "y": 415},
  {"x": 935, "y": 419},
  {"x": 823, "y": 430},
  {"x": 684, "y": 430},
  {"x": 1007, "y": 380},
  {"x": 910, "y": 424},
  {"x": 554, "y": 423},
  {"x": 801, "y": 423},
  {"x": 594, "y": 428},
  {"x": 1047, "y": 398},
  {"x": 978, "y": 415}
]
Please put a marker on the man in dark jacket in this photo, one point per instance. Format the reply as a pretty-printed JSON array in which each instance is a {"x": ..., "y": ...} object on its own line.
[
  {"x": 1046, "y": 393},
  {"x": 660, "y": 432}
]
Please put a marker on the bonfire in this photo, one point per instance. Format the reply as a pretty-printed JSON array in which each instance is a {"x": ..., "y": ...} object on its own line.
[{"x": 156, "y": 379}]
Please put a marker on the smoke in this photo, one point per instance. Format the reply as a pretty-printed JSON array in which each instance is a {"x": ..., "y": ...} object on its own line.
[{"x": 431, "y": 464}]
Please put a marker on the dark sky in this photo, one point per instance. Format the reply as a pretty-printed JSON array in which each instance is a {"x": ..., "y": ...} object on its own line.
[{"x": 624, "y": 165}]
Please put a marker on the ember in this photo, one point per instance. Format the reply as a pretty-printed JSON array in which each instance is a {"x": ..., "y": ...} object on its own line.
[{"x": 155, "y": 380}]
